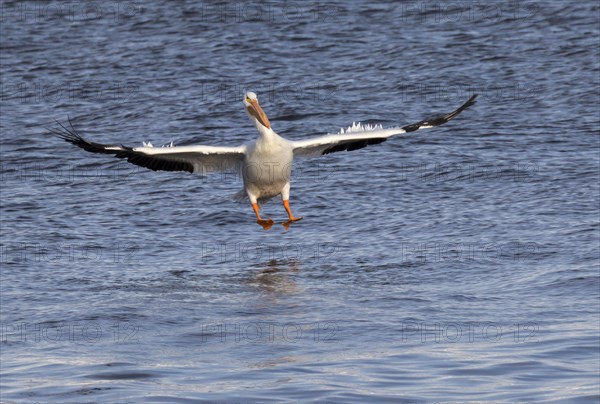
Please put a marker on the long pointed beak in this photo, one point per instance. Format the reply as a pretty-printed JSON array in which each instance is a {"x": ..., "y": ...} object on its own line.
[{"x": 256, "y": 111}]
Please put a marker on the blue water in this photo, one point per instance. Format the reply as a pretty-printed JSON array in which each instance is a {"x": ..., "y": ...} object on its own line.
[{"x": 457, "y": 264}]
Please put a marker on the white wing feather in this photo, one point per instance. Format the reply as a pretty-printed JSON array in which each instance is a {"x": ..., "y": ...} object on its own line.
[
  {"x": 202, "y": 159},
  {"x": 358, "y": 135}
]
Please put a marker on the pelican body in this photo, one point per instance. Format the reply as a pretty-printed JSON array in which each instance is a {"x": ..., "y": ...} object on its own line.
[{"x": 265, "y": 163}]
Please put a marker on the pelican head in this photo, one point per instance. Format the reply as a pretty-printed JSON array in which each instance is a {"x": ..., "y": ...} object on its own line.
[{"x": 254, "y": 110}]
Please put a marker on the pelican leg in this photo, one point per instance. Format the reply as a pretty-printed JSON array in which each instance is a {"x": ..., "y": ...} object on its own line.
[
  {"x": 291, "y": 218},
  {"x": 265, "y": 223}
]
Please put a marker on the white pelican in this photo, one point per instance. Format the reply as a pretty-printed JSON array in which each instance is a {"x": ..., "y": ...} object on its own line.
[{"x": 265, "y": 164}]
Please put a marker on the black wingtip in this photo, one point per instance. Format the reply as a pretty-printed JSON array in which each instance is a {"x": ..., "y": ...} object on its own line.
[
  {"x": 441, "y": 119},
  {"x": 471, "y": 100},
  {"x": 67, "y": 134}
]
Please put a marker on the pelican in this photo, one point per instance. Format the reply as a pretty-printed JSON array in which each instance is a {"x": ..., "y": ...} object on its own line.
[{"x": 265, "y": 163}]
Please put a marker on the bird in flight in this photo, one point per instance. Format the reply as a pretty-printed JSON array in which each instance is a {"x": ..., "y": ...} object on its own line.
[{"x": 265, "y": 163}]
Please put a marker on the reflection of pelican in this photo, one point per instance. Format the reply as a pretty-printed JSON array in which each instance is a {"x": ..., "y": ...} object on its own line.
[
  {"x": 274, "y": 277},
  {"x": 265, "y": 163},
  {"x": 272, "y": 362}
]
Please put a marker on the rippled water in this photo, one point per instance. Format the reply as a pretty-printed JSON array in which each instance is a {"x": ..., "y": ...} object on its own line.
[{"x": 455, "y": 264}]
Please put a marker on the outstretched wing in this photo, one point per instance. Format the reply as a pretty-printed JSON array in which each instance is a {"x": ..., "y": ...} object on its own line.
[
  {"x": 193, "y": 159},
  {"x": 358, "y": 136}
]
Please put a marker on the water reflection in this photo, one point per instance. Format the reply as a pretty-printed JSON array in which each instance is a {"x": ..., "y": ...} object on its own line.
[
  {"x": 275, "y": 280},
  {"x": 276, "y": 277},
  {"x": 274, "y": 362}
]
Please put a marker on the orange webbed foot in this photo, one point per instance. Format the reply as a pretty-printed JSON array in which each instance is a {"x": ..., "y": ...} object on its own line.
[
  {"x": 266, "y": 223},
  {"x": 289, "y": 222}
]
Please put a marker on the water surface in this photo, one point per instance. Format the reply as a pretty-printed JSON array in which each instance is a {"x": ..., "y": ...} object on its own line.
[{"x": 455, "y": 264}]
